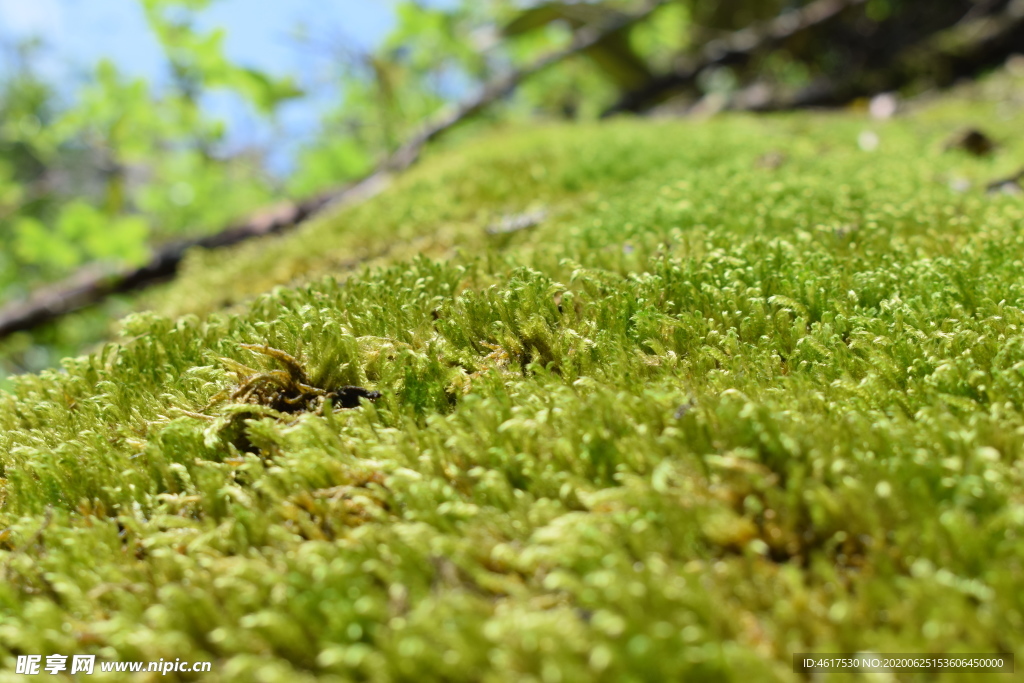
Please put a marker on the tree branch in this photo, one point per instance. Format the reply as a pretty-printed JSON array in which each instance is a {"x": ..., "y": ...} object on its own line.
[
  {"x": 736, "y": 46},
  {"x": 961, "y": 51},
  {"x": 583, "y": 39}
]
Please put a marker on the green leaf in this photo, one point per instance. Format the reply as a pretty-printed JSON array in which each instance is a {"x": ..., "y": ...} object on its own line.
[{"x": 37, "y": 246}]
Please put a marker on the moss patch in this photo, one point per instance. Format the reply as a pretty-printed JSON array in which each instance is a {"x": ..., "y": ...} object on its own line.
[{"x": 746, "y": 390}]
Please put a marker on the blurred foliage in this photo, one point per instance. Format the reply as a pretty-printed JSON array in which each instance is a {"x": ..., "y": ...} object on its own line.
[{"x": 126, "y": 163}]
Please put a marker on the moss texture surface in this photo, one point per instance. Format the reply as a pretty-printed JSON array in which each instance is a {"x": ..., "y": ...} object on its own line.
[{"x": 749, "y": 387}]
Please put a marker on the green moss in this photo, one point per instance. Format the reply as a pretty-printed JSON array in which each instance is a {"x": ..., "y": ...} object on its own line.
[{"x": 718, "y": 407}]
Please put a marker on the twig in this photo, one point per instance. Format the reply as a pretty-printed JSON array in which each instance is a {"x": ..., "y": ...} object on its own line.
[
  {"x": 584, "y": 39},
  {"x": 93, "y": 284},
  {"x": 733, "y": 47}
]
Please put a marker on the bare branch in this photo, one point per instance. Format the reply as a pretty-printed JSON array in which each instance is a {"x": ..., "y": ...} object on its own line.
[
  {"x": 736, "y": 46},
  {"x": 962, "y": 51},
  {"x": 584, "y": 39}
]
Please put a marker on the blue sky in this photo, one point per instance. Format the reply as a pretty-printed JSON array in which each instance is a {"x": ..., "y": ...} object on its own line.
[
  {"x": 82, "y": 31},
  {"x": 79, "y": 33}
]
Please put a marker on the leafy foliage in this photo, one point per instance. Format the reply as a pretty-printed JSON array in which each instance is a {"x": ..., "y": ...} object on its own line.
[
  {"x": 128, "y": 165},
  {"x": 124, "y": 166}
]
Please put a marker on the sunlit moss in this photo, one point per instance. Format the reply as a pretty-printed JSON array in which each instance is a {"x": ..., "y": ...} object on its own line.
[{"x": 747, "y": 390}]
